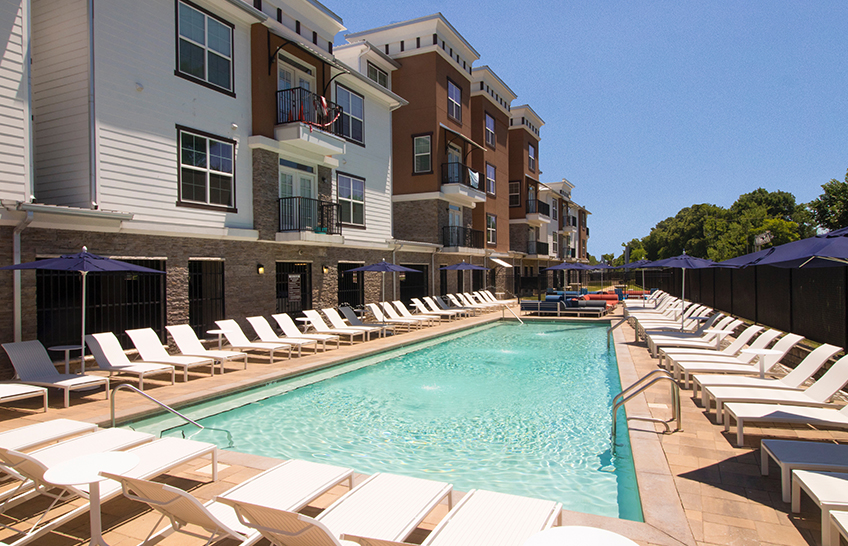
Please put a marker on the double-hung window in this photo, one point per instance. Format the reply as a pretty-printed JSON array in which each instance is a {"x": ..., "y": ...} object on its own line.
[
  {"x": 378, "y": 75},
  {"x": 491, "y": 229},
  {"x": 422, "y": 154},
  {"x": 490, "y": 178},
  {"x": 490, "y": 130},
  {"x": 205, "y": 48},
  {"x": 206, "y": 169},
  {"x": 531, "y": 157},
  {"x": 515, "y": 194},
  {"x": 454, "y": 101},
  {"x": 352, "y": 121},
  {"x": 352, "y": 199}
]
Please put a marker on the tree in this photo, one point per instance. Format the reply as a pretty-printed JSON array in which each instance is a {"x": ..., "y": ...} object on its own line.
[{"x": 830, "y": 209}]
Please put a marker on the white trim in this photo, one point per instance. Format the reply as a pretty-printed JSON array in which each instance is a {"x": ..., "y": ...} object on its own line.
[{"x": 500, "y": 262}]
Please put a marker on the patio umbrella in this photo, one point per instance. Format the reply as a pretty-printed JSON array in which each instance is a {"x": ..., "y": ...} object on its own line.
[
  {"x": 825, "y": 250},
  {"x": 464, "y": 266},
  {"x": 84, "y": 262},
  {"x": 570, "y": 265},
  {"x": 639, "y": 264},
  {"x": 383, "y": 267},
  {"x": 746, "y": 260},
  {"x": 684, "y": 262}
]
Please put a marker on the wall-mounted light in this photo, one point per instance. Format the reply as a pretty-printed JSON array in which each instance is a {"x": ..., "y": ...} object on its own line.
[
  {"x": 325, "y": 269},
  {"x": 260, "y": 269}
]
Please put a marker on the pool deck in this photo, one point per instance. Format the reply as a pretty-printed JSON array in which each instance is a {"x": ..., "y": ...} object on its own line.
[{"x": 696, "y": 487}]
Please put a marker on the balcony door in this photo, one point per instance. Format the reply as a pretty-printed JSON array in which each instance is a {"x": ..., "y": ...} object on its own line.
[
  {"x": 292, "y": 74},
  {"x": 298, "y": 206},
  {"x": 454, "y": 174}
]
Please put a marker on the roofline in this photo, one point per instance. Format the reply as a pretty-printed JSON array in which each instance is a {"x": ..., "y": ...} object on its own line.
[
  {"x": 486, "y": 67},
  {"x": 326, "y": 10},
  {"x": 364, "y": 79},
  {"x": 248, "y": 9},
  {"x": 529, "y": 108},
  {"x": 373, "y": 48},
  {"x": 437, "y": 15}
]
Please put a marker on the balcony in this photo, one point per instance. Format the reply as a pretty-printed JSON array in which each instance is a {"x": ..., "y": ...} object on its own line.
[
  {"x": 537, "y": 248},
  {"x": 306, "y": 121},
  {"x": 461, "y": 185},
  {"x": 305, "y": 220},
  {"x": 456, "y": 236},
  {"x": 538, "y": 212}
]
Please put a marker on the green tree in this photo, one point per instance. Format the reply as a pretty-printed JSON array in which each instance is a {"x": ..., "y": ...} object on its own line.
[{"x": 830, "y": 209}]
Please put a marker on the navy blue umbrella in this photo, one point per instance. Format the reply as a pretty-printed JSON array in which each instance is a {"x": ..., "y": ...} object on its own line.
[
  {"x": 825, "y": 250},
  {"x": 383, "y": 267},
  {"x": 684, "y": 262},
  {"x": 640, "y": 264},
  {"x": 464, "y": 266},
  {"x": 746, "y": 260},
  {"x": 570, "y": 265},
  {"x": 84, "y": 262}
]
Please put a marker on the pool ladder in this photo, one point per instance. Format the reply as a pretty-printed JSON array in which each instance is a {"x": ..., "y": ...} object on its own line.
[
  {"x": 640, "y": 385},
  {"x": 170, "y": 409}
]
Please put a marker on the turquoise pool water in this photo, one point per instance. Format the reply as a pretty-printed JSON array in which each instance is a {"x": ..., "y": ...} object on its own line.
[{"x": 511, "y": 408}]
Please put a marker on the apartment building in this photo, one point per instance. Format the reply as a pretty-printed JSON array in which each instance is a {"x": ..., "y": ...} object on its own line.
[{"x": 225, "y": 144}]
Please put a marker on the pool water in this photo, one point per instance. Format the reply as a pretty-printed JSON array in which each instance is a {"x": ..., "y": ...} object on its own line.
[{"x": 521, "y": 409}]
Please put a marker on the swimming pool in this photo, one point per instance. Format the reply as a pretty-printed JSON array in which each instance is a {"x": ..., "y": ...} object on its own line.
[{"x": 522, "y": 409}]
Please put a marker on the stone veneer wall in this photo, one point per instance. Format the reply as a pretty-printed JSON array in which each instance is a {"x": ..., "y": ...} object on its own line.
[
  {"x": 266, "y": 192},
  {"x": 518, "y": 237},
  {"x": 421, "y": 220}
]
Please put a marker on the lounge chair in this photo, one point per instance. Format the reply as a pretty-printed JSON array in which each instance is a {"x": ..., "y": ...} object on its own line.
[
  {"x": 155, "y": 457},
  {"x": 33, "y": 365},
  {"x": 470, "y": 298},
  {"x": 422, "y": 308},
  {"x": 268, "y": 335},
  {"x": 793, "y": 380},
  {"x": 12, "y": 391},
  {"x": 321, "y": 327},
  {"x": 189, "y": 345},
  {"x": 110, "y": 357},
  {"x": 682, "y": 347},
  {"x": 829, "y": 490},
  {"x": 459, "y": 301},
  {"x": 380, "y": 317},
  {"x": 744, "y": 413},
  {"x": 236, "y": 338},
  {"x": 817, "y": 395},
  {"x": 491, "y": 297},
  {"x": 356, "y": 322},
  {"x": 494, "y": 519},
  {"x": 392, "y": 314},
  {"x": 838, "y": 526},
  {"x": 697, "y": 339},
  {"x": 437, "y": 304},
  {"x": 290, "y": 329},
  {"x": 32, "y": 436},
  {"x": 336, "y": 321},
  {"x": 404, "y": 312},
  {"x": 384, "y": 507},
  {"x": 150, "y": 349},
  {"x": 457, "y": 304},
  {"x": 801, "y": 455}
]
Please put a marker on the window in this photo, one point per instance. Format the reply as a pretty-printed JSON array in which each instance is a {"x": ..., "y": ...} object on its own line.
[
  {"x": 422, "y": 154},
  {"x": 352, "y": 120},
  {"x": 205, "y": 48},
  {"x": 515, "y": 194},
  {"x": 491, "y": 229},
  {"x": 490, "y": 130},
  {"x": 490, "y": 178},
  {"x": 531, "y": 157},
  {"x": 553, "y": 209},
  {"x": 206, "y": 169},
  {"x": 205, "y": 294},
  {"x": 352, "y": 199},
  {"x": 454, "y": 101},
  {"x": 378, "y": 75}
]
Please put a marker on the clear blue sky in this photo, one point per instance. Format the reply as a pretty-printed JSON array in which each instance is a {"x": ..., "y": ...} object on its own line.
[{"x": 651, "y": 106}]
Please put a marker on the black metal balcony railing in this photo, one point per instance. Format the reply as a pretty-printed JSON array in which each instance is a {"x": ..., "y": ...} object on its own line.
[
  {"x": 537, "y": 247},
  {"x": 302, "y": 105},
  {"x": 461, "y": 236},
  {"x": 305, "y": 214},
  {"x": 457, "y": 173},
  {"x": 535, "y": 206}
]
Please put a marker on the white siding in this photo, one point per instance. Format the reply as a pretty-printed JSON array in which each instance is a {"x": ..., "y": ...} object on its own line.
[
  {"x": 373, "y": 163},
  {"x": 13, "y": 97},
  {"x": 136, "y": 129},
  {"x": 60, "y": 101}
]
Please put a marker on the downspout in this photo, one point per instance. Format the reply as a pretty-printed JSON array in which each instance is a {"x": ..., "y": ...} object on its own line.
[
  {"x": 17, "y": 313},
  {"x": 92, "y": 156}
]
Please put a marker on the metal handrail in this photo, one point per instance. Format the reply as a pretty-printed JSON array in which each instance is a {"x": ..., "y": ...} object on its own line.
[
  {"x": 166, "y": 407},
  {"x": 640, "y": 385},
  {"x": 613, "y": 327}
]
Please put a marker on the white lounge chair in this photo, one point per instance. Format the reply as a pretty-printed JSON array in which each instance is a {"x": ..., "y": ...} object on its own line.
[
  {"x": 356, "y": 322},
  {"x": 391, "y": 314},
  {"x": 695, "y": 340},
  {"x": 236, "y": 338},
  {"x": 290, "y": 329},
  {"x": 13, "y": 391},
  {"x": 378, "y": 314},
  {"x": 110, "y": 357},
  {"x": 801, "y": 455},
  {"x": 336, "y": 321},
  {"x": 321, "y": 327},
  {"x": 494, "y": 519},
  {"x": 33, "y": 365},
  {"x": 817, "y": 395},
  {"x": 471, "y": 298},
  {"x": 404, "y": 312},
  {"x": 150, "y": 349},
  {"x": 32, "y": 436},
  {"x": 829, "y": 490},
  {"x": 793, "y": 380},
  {"x": 461, "y": 303},
  {"x": 744, "y": 413},
  {"x": 385, "y": 507},
  {"x": 706, "y": 348},
  {"x": 268, "y": 335},
  {"x": 437, "y": 304},
  {"x": 189, "y": 345},
  {"x": 422, "y": 308},
  {"x": 838, "y": 526}
]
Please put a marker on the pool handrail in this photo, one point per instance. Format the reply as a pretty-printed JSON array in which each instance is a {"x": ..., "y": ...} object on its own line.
[{"x": 637, "y": 387}]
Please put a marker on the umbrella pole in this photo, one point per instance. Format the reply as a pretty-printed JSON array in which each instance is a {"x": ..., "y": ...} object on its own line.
[
  {"x": 82, "y": 326},
  {"x": 683, "y": 299},
  {"x": 383, "y": 286}
]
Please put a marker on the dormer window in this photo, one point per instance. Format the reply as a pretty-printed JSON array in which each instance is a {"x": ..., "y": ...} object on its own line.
[{"x": 378, "y": 75}]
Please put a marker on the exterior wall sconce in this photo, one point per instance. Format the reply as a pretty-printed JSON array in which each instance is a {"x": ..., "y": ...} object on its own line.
[
  {"x": 325, "y": 269},
  {"x": 260, "y": 269}
]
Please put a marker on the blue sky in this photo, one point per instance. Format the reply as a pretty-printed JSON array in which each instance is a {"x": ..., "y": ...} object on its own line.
[{"x": 651, "y": 106}]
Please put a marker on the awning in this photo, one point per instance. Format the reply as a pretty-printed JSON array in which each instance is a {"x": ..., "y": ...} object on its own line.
[
  {"x": 500, "y": 262},
  {"x": 460, "y": 135}
]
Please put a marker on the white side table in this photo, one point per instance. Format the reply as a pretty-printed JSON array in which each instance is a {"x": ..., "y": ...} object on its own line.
[
  {"x": 305, "y": 323},
  {"x": 220, "y": 333},
  {"x": 86, "y": 470},
  {"x": 762, "y": 354},
  {"x": 839, "y": 522},
  {"x": 577, "y": 534},
  {"x": 827, "y": 489},
  {"x": 719, "y": 334},
  {"x": 68, "y": 349}
]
